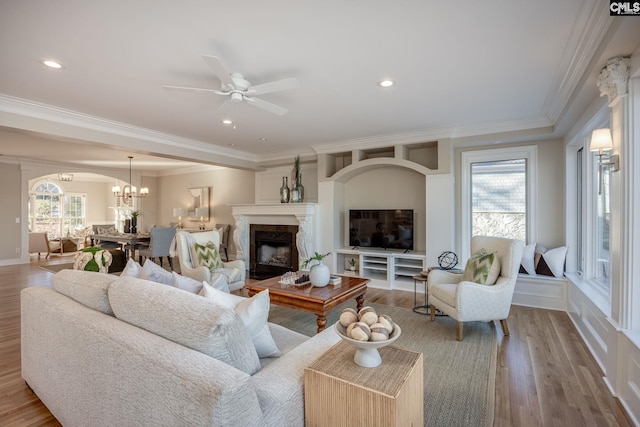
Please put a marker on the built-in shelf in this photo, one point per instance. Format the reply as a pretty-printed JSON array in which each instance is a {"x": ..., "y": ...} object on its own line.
[
  {"x": 385, "y": 269},
  {"x": 423, "y": 155}
]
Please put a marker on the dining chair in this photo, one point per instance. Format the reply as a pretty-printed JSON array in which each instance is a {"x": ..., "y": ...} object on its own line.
[{"x": 159, "y": 245}]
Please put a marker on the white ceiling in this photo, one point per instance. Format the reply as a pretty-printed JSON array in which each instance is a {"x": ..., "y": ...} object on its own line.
[{"x": 462, "y": 70}]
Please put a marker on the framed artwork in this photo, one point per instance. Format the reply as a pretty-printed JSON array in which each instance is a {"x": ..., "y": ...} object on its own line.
[{"x": 199, "y": 199}]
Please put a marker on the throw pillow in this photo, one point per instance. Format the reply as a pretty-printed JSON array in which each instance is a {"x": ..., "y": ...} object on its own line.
[
  {"x": 482, "y": 269},
  {"x": 186, "y": 283},
  {"x": 528, "y": 264},
  {"x": 106, "y": 231},
  {"x": 152, "y": 271},
  {"x": 552, "y": 262},
  {"x": 186, "y": 319},
  {"x": 132, "y": 269},
  {"x": 253, "y": 312},
  {"x": 207, "y": 256}
]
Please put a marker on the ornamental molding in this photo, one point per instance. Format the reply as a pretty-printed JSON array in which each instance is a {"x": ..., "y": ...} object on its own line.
[{"x": 613, "y": 80}]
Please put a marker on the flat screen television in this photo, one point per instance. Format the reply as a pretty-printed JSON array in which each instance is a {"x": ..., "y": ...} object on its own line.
[{"x": 381, "y": 228}]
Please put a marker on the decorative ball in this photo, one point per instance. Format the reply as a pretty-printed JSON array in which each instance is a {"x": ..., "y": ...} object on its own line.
[
  {"x": 385, "y": 321},
  {"x": 348, "y": 316},
  {"x": 379, "y": 332},
  {"x": 447, "y": 260},
  {"x": 360, "y": 331},
  {"x": 368, "y": 315},
  {"x": 349, "y": 328}
]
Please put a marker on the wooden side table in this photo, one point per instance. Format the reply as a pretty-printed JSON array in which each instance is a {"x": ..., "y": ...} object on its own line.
[{"x": 337, "y": 392}]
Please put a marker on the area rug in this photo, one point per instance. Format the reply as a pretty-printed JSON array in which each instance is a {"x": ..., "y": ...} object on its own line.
[{"x": 459, "y": 376}]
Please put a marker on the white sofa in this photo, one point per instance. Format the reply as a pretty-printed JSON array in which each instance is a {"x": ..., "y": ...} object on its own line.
[{"x": 89, "y": 354}]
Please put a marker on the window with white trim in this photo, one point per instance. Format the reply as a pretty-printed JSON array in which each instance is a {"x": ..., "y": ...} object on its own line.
[
  {"x": 499, "y": 188},
  {"x": 55, "y": 212}
]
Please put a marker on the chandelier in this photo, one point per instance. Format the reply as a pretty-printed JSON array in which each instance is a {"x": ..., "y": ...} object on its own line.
[
  {"x": 128, "y": 191},
  {"x": 66, "y": 177}
]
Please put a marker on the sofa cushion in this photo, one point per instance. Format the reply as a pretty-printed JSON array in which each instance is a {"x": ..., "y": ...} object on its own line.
[
  {"x": 187, "y": 319},
  {"x": 254, "y": 313},
  {"x": 86, "y": 287}
]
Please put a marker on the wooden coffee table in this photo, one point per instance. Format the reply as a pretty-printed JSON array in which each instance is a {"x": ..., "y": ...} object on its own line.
[{"x": 318, "y": 301}]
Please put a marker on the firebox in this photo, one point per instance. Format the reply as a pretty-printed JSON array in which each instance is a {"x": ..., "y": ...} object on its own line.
[{"x": 273, "y": 250}]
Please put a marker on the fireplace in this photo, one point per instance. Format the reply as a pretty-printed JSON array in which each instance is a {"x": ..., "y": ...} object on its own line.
[
  {"x": 301, "y": 219},
  {"x": 272, "y": 250}
]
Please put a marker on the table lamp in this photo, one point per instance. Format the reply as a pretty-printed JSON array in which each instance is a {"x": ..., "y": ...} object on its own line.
[
  {"x": 179, "y": 212},
  {"x": 201, "y": 213}
]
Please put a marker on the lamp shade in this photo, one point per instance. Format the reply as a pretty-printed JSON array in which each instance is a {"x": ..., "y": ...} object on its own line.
[
  {"x": 179, "y": 212},
  {"x": 601, "y": 140},
  {"x": 200, "y": 212}
]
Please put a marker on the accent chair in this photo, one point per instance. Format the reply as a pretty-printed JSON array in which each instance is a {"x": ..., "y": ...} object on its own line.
[{"x": 467, "y": 301}]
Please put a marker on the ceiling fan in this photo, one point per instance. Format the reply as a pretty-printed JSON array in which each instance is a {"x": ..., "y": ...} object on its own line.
[{"x": 238, "y": 89}]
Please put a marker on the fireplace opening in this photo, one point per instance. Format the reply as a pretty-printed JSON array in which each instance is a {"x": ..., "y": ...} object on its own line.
[{"x": 273, "y": 250}]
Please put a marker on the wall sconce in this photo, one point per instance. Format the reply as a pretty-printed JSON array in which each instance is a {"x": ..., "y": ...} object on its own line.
[
  {"x": 128, "y": 191},
  {"x": 201, "y": 213},
  {"x": 601, "y": 141},
  {"x": 179, "y": 212}
]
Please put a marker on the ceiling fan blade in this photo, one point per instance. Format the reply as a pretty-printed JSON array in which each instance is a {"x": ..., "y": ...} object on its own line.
[
  {"x": 219, "y": 70},
  {"x": 284, "y": 84},
  {"x": 169, "y": 87},
  {"x": 272, "y": 108}
]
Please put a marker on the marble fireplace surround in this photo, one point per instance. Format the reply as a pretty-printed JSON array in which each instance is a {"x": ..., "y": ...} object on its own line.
[{"x": 304, "y": 215}]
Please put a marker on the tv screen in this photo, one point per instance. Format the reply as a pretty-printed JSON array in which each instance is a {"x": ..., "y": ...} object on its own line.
[{"x": 381, "y": 228}]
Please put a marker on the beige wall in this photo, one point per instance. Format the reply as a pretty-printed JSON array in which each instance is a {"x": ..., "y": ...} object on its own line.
[{"x": 11, "y": 209}]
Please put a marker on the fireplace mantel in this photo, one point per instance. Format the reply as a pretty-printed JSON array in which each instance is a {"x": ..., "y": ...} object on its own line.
[{"x": 304, "y": 215}]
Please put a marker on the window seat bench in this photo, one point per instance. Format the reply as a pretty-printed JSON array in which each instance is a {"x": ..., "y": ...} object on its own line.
[{"x": 541, "y": 292}]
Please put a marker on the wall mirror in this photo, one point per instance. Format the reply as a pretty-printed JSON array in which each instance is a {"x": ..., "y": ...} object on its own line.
[{"x": 199, "y": 199}]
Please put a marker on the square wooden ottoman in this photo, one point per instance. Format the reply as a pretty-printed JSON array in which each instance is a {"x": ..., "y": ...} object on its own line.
[{"x": 337, "y": 392}]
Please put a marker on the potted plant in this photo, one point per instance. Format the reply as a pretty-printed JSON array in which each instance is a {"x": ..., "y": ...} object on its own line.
[
  {"x": 352, "y": 264},
  {"x": 318, "y": 273}
]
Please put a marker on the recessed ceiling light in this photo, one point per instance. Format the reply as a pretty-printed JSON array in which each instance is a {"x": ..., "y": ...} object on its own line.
[
  {"x": 52, "y": 64},
  {"x": 385, "y": 83},
  {"x": 263, "y": 139},
  {"x": 227, "y": 122}
]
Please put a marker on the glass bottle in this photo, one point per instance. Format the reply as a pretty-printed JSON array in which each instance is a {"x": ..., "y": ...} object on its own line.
[{"x": 284, "y": 190}]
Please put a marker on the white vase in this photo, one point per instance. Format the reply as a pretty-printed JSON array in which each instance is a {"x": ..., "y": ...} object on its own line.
[{"x": 319, "y": 275}]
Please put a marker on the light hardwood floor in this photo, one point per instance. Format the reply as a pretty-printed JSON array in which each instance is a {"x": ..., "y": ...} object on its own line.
[{"x": 545, "y": 374}]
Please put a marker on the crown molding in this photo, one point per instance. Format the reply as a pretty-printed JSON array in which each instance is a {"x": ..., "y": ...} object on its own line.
[
  {"x": 50, "y": 113},
  {"x": 589, "y": 30}
]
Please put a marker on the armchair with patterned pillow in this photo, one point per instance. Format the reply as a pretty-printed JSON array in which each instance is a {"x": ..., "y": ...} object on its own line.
[
  {"x": 200, "y": 259},
  {"x": 483, "y": 292}
]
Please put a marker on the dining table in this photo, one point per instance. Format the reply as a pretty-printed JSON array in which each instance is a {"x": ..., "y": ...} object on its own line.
[{"x": 130, "y": 241}]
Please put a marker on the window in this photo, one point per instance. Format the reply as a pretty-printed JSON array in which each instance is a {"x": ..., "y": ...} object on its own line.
[
  {"x": 499, "y": 199},
  {"x": 54, "y": 212},
  {"x": 499, "y": 188},
  {"x": 592, "y": 219}
]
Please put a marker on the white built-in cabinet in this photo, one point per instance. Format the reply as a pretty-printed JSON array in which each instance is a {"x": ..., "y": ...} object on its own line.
[{"x": 384, "y": 269}]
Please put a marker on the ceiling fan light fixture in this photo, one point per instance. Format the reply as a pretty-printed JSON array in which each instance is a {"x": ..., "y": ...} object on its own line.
[
  {"x": 236, "y": 97},
  {"x": 386, "y": 83}
]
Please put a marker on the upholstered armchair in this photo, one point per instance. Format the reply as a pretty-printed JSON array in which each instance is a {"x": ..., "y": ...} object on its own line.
[
  {"x": 159, "y": 245},
  {"x": 185, "y": 249},
  {"x": 467, "y": 301}
]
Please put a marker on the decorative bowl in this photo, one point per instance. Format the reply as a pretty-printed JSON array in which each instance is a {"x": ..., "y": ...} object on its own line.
[{"x": 367, "y": 354}]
